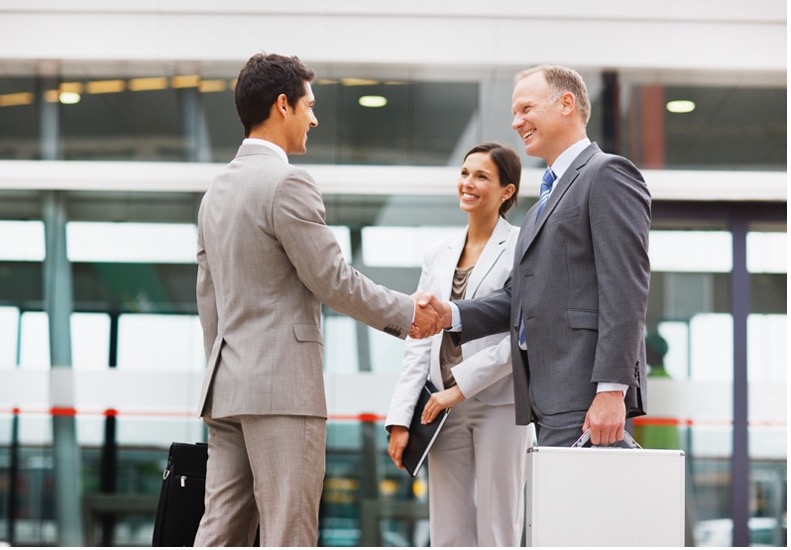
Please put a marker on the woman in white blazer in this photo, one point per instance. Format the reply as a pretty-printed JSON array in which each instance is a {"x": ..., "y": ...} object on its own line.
[{"x": 476, "y": 468}]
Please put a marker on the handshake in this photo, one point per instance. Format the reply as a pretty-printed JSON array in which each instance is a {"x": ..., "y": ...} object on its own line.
[{"x": 431, "y": 315}]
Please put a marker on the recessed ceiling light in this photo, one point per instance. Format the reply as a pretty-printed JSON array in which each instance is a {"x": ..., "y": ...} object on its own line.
[
  {"x": 69, "y": 98},
  {"x": 681, "y": 106},
  {"x": 105, "y": 86},
  {"x": 20, "y": 98},
  {"x": 185, "y": 81},
  {"x": 358, "y": 82},
  {"x": 372, "y": 101},
  {"x": 216, "y": 85},
  {"x": 71, "y": 87},
  {"x": 146, "y": 84}
]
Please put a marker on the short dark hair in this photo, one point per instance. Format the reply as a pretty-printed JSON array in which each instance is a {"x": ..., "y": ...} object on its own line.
[
  {"x": 263, "y": 78},
  {"x": 509, "y": 168}
]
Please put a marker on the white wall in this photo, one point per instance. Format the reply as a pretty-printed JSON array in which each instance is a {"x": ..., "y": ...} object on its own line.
[{"x": 706, "y": 41}]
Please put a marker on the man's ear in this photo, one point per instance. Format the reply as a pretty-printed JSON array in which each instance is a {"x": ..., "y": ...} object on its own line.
[
  {"x": 281, "y": 104},
  {"x": 568, "y": 102}
]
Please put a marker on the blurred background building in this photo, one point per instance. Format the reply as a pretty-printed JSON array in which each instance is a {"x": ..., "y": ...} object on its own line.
[{"x": 114, "y": 116}]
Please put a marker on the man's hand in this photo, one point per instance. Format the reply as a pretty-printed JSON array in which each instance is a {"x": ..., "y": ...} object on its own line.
[
  {"x": 606, "y": 418},
  {"x": 399, "y": 435},
  {"x": 440, "y": 401},
  {"x": 431, "y": 315}
]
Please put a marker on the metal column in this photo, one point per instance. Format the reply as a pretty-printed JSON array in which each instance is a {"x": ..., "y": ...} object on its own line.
[
  {"x": 363, "y": 336},
  {"x": 58, "y": 299},
  {"x": 740, "y": 461}
]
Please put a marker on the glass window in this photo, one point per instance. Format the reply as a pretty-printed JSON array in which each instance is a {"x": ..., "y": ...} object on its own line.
[
  {"x": 160, "y": 342},
  {"x": 711, "y": 347},
  {"x": 34, "y": 340},
  {"x": 131, "y": 242},
  {"x": 344, "y": 238},
  {"x": 390, "y": 121},
  {"x": 122, "y": 118},
  {"x": 736, "y": 128},
  {"x": 691, "y": 334},
  {"x": 767, "y": 348},
  {"x": 22, "y": 241},
  {"x": 9, "y": 333},
  {"x": 402, "y": 246},
  {"x": 416, "y": 123},
  {"x": 386, "y": 352},
  {"x": 690, "y": 251},
  {"x": 341, "y": 355},
  {"x": 133, "y": 267},
  {"x": 225, "y": 131},
  {"x": 18, "y": 119},
  {"x": 767, "y": 252},
  {"x": 671, "y": 351},
  {"x": 90, "y": 341}
]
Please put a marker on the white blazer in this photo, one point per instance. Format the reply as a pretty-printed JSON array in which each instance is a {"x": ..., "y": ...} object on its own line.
[{"x": 485, "y": 372}]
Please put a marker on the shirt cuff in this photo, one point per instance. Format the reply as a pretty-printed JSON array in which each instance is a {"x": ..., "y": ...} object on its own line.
[
  {"x": 611, "y": 386},
  {"x": 455, "y": 318}
]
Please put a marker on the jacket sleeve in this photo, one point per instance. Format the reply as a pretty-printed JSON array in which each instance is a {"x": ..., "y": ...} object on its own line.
[
  {"x": 484, "y": 316},
  {"x": 414, "y": 366},
  {"x": 620, "y": 217},
  {"x": 489, "y": 365},
  {"x": 205, "y": 297},
  {"x": 315, "y": 254}
]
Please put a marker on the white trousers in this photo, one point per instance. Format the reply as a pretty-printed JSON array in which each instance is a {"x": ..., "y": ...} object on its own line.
[{"x": 476, "y": 475}]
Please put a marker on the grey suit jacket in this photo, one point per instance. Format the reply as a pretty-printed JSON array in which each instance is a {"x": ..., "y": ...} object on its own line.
[
  {"x": 266, "y": 262},
  {"x": 485, "y": 372},
  {"x": 580, "y": 276}
]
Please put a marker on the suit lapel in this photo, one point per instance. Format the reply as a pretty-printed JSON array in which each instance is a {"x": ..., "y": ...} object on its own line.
[
  {"x": 494, "y": 248},
  {"x": 532, "y": 227}
]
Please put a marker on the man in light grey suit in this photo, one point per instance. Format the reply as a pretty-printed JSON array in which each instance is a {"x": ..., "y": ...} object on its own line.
[
  {"x": 266, "y": 262},
  {"x": 576, "y": 301}
]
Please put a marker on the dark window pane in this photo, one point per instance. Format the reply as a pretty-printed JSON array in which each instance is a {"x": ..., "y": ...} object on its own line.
[
  {"x": 132, "y": 124},
  {"x": 729, "y": 128},
  {"x": 225, "y": 131},
  {"x": 18, "y": 119},
  {"x": 420, "y": 124}
]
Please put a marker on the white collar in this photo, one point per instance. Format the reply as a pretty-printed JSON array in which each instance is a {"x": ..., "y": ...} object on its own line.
[
  {"x": 565, "y": 159},
  {"x": 276, "y": 148}
]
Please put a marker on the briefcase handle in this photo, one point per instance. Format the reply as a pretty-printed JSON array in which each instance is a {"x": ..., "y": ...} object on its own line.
[{"x": 628, "y": 442}]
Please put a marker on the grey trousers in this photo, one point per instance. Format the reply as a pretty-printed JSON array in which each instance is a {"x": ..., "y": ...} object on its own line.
[{"x": 266, "y": 470}]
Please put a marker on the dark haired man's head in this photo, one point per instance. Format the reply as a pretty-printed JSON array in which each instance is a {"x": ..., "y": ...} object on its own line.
[{"x": 263, "y": 78}]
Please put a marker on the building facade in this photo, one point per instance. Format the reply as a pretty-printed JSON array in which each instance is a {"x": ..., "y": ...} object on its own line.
[{"x": 115, "y": 116}]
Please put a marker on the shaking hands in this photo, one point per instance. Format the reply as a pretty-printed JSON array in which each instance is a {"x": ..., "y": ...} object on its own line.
[{"x": 431, "y": 315}]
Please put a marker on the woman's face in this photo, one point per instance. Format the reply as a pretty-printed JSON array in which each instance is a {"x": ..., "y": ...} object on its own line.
[{"x": 480, "y": 192}]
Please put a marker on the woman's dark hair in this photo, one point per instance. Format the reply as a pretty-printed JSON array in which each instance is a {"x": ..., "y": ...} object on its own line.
[
  {"x": 509, "y": 168},
  {"x": 262, "y": 79}
]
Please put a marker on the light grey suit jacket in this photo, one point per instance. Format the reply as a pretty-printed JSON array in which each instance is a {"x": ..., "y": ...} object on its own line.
[
  {"x": 266, "y": 262},
  {"x": 485, "y": 372},
  {"x": 580, "y": 276}
]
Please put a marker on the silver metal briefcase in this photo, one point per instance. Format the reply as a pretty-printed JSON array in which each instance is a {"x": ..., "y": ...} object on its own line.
[{"x": 604, "y": 496}]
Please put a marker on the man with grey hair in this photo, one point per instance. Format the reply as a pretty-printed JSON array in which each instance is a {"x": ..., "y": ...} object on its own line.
[{"x": 576, "y": 301}]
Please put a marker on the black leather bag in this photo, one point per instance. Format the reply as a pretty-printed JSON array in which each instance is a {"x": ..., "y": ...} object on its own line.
[{"x": 180, "y": 505}]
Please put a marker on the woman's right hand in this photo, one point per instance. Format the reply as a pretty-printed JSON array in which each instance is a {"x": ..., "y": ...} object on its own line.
[
  {"x": 399, "y": 435},
  {"x": 439, "y": 401}
]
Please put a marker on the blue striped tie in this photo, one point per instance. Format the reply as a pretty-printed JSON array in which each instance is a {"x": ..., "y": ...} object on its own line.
[
  {"x": 546, "y": 187},
  {"x": 522, "y": 337},
  {"x": 543, "y": 197}
]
